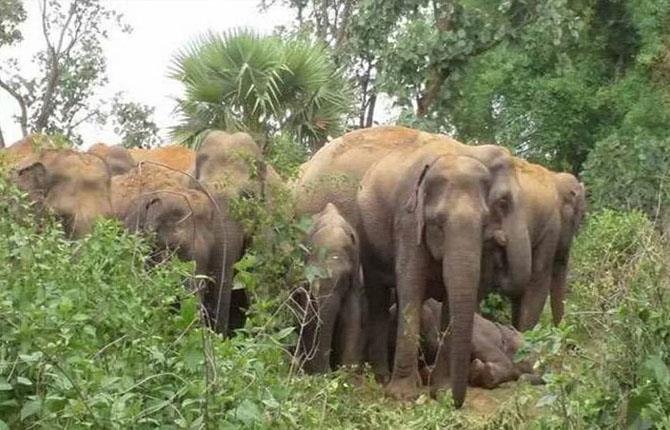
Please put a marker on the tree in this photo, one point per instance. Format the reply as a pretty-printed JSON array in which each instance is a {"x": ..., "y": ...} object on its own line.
[
  {"x": 354, "y": 38},
  {"x": 71, "y": 68},
  {"x": 263, "y": 85},
  {"x": 409, "y": 50},
  {"x": 12, "y": 14},
  {"x": 133, "y": 122}
]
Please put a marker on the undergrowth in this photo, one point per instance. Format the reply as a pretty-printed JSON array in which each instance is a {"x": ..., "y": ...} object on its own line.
[{"x": 93, "y": 337}]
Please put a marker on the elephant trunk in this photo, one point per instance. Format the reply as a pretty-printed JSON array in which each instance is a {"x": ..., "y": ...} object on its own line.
[
  {"x": 461, "y": 271},
  {"x": 322, "y": 326},
  {"x": 518, "y": 250}
]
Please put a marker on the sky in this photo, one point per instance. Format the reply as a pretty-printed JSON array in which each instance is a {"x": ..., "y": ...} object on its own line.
[{"x": 137, "y": 63}]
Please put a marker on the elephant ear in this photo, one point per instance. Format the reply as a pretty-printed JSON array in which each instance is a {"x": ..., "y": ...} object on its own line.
[
  {"x": 415, "y": 203},
  {"x": 152, "y": 205}
]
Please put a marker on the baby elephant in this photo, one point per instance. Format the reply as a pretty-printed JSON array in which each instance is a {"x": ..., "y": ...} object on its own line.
[
  {"x": 332, "y": 306},
  {"x": 493, "y": 348}
]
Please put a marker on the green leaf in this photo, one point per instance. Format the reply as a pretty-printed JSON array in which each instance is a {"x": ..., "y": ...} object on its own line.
[
  {"x": 3, "y": 425},
  {"x": 24, "y": 381},
  {"x": 5, "y": 386},
  {"x": 247, "y": 412},
  {"x": 30, "y": 408}
]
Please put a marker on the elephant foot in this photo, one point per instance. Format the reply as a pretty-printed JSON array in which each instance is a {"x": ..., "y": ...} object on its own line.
[
  {"x": 382, "y": 374},
  {"x": 405, "y": 389}
]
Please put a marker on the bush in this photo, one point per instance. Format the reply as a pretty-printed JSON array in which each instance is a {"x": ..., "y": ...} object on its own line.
[
  {"x": 609, "y": 361},
  {"x": 91, "y": 337}
]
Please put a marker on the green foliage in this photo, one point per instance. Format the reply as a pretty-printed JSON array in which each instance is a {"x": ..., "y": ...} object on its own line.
[
  {"x": 264, "y": 85},
  {"x": 608, "y": 361},
  {"x": 71, "y": 67},
  {"x": 133, "y": 122},
  {"x": 12, "y": 14}
]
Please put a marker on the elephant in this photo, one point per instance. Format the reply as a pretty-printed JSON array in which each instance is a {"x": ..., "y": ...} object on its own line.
[
  {"x": 335, "y": 172},
  {"x": 117, "y": 157},
  {"x": 493, "y": 349},
  {"x": 174, "y": 156},
  {"x": 333, "y": 310},
  {"x": 427, "y": 214},
  {"x": 554, "y": 205},
  {"x": 74, "y": 185},
  {"x": 572, "y": 203},
  {"x": 186, "y": 222},
  {"x": 226, "y": 166}
]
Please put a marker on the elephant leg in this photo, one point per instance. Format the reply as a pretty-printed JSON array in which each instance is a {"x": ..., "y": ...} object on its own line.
[
  {"x": 558, "y": 285},
  {"x": 239, "y": 303},
  {"x": 536, "y": 294},
  {"x": 351, "y": 334},
  {"x": 411, "y": 274},
  {"x": 378, "y": 297}
]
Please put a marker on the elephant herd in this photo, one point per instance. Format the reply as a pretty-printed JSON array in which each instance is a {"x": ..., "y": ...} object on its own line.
[{"x": 410, "y": 230}]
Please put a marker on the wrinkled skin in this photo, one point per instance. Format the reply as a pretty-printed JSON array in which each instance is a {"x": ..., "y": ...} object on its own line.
[
  {"x": 117, "y": 157},
  {"x": 227, "y": 166},
  {"x": 336, "y": 300},
  {"x": 554, "y": 205},
  {"x": 426, "y": 219},
  {"x": 493, "y": 349},
  {"x": 75, "y": 186}
]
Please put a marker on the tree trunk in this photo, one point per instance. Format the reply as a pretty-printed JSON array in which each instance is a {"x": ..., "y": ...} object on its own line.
[
  {"x": 371, "y": 110},
  {"x": 23, "y": 118}
]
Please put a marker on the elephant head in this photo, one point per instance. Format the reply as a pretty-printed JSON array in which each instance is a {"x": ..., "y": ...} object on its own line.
[
  {"x": 180, "y": 219},
  {"x": 228, "y": 163},
  {"x": 117, "y": 157},
  {"x": 75, "y": 186},
  {"x": 451, "y": 204},
  {"x": 514, "y": 256}
]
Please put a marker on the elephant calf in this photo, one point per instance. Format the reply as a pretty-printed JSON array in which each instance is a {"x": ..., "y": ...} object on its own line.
[
  {"x": 333, "y": 311},
  {"x": 493, "y": 348}
]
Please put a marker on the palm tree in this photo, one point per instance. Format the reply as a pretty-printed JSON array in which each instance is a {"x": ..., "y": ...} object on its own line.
[{"x": 260, "y": 84}]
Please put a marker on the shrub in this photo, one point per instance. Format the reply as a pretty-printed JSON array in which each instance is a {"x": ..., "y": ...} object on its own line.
[{"x": 610, "y": 356}]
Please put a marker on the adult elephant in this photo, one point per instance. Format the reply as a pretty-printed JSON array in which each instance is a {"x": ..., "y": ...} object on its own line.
[
  {"x": 426, "y": 213},
  {"x": 572, "y": 207},
  {"x": 74, "y": 185},
  {"x": 554, "y": 205},
  {"x": 228, "y": 166}
]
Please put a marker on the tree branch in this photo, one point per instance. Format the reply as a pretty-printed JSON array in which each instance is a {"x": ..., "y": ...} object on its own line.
[
  {"x": 45, "y": 30},
  {"x": 23, "y": 119}
]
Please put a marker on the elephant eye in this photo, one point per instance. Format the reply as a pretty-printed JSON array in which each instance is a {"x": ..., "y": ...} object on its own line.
[{"x": 503, "y": 205}]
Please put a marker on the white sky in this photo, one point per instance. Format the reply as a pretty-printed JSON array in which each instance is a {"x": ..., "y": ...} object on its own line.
[{"x": 137, "y": 63}]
